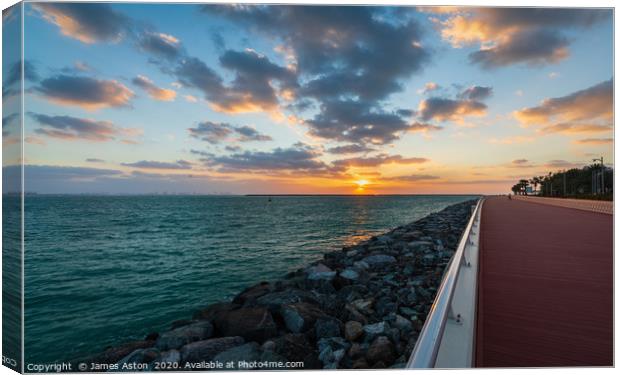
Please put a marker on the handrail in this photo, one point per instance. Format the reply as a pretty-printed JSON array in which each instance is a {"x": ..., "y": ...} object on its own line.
[{"x": 424, "y": 354}]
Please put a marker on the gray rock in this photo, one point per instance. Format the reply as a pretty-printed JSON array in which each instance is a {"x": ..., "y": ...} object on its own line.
[
  {"x": 300, "y": 317},
  {"x": 381, "y": 350},
  {"x": 376, "y": 329},
  {"x": 428, "y": 259},
  {"x": 336, "y": 343},
  {"x": 327, "y": 328},
  {"x": 362, "y": 265},
  {"x": 350, "y": 274},
  {"x": 320, "y": 272},
  {"x": 353, "y": 330},
  {"x": 249, "y": 352},
  {"x": 385, "y": 305},
  {"x": 420, "y": 245},
  {"x": 206, "y": 350},
  {"x": 364, "y": 305},
  {"x": 379, "y": 260},
  {"x": 184, "y": 335},
  {"x": 329, "y": 276}
]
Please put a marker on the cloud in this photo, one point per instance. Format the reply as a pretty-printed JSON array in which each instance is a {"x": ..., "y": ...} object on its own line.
[
  {"x": 536, "y": 47},
  {"x": 592, "y": 104},
  {"x": 45, "y": 172},
  {"x": 298, "y": 158},
  {"x": 411, "y": 178},
  {"x": 95, "y": 160},
  {"x": 11, "y": 84},
  {"x": 150, "y": 164},
  {"x": 595, "y": 141},
  {"x": 444, "y": 109},
  {"x": 357, "y": 122},
  {"x": 154, "y": 92},
  {"x": 14, "y": 74},
  {"x": 520, "y": 161},
  {"x": 256, "y": 87},
  {"x": 214, "y": 133},
  {"x": 562, "y": 164},
  {"x": 252, "y": 86},
  {"x": 190, "y": 98},
  {"x": 509, "y": 36},
  {"x": 86, "y": 22},
  {"x": 575, "y": 128},
  {"x": 375, "y": 161},
  {"x": 423, "y": 127},
  {"x": 429, "y": 87},
  {"x": 160, "y": 44},
  {"x": 350, "y": 149},
  {"x": 339, "y": 55},
  {"x": 73, "y": 128},
  {"x": 85, "y": 92},
  {"x": 477, "y": 93}
]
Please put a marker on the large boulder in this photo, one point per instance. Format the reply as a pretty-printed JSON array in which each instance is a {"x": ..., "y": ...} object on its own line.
[
  {"x": 206, "y": 350},
  {"x": 251, "y": 323},
  {"x": 252, "y": 293},
  {"x": 184, "y": 335},
  {"x": 300, "y": 317},
  {"x": 273, "y": 301},
  {"x": 211, "y": 311},
  {"x": 246, "y": 353}
]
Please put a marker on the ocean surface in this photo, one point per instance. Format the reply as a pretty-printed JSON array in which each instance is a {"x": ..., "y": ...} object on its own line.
[{"x": 102, "y": 270}]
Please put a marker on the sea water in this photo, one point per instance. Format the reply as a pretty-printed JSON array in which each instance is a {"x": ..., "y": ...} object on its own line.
[{"x": 103, "y": 270}]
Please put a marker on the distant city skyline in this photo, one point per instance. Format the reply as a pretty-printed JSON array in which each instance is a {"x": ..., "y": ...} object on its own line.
[{"x": 138, "y": 98}]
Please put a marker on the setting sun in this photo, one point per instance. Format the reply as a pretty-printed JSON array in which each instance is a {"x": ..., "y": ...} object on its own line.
[{"x": 361, "y": 183}]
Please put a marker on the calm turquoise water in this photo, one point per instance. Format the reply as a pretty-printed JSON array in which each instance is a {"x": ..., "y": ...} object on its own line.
[{"x": 103, "y": 270}]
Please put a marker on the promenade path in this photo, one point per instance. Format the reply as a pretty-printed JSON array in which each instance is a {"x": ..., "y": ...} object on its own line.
[{"x": 545, "y": 295}]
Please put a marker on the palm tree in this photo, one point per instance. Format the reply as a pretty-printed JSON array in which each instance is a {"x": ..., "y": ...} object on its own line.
[
  {"x": 524, "y": 184},
  {"x": 535, "y": 181}
]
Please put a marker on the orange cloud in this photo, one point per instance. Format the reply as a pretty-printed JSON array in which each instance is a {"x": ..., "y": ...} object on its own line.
[
  {"x": 594, "y": 141},
  {"x": 154, "y": 92},
  {"x": 507, "y": 36},
  {"x": 572, "y": 128},
  {"x": 85, "y": 92},
  {"x": 89, "y": 23},
  {"x": 591, "y": 104}
]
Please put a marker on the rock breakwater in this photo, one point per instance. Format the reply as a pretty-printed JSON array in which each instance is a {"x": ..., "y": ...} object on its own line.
[{"x": 361, "y": 307}]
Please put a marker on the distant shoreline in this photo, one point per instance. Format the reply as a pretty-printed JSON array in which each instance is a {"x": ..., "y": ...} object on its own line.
[{"x": 235, "y": 195}]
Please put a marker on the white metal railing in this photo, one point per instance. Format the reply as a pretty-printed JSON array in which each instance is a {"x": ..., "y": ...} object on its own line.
[{"x": 447, "y": 337}]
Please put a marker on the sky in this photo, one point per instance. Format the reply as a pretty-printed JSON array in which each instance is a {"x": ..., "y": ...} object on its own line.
[{"x": 258, "y": 99}]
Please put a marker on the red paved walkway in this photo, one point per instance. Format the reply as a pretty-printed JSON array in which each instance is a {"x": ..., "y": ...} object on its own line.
[{"x": 545, "y": 286}]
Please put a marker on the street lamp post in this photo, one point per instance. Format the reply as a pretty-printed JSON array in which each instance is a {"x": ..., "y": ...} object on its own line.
[{"x": 602, "y": 175}]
